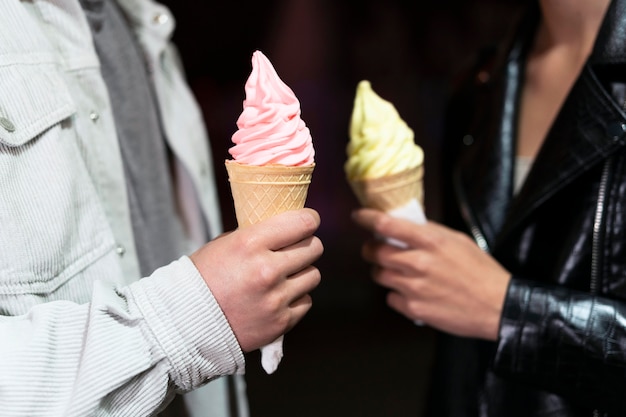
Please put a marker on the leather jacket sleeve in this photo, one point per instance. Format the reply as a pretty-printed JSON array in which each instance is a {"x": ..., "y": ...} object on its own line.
[{"x": 564, "y": 341}]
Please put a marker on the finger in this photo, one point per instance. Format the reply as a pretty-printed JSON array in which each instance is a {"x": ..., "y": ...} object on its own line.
[
  {"x": 408, "y": 308},
  {"x": 379, "y": 253},
  {"x": 298, "y": 309},
  {"x": 302, "y": 283},
  {"x": 382, "y": 224},
  {"x": 298, "y": 256},
  {"x": 284, "y": 229},
  {"x": 394, "y": 280},
  {"x": 389, "y": 256}
]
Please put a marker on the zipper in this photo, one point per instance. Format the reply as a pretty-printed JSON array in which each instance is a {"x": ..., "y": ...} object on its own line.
[
  {"x": 477, "y": 234},
  {"x": 597, "y": 228},
  {"x": 596, "y": 238},
  {"x": 598, "y": 224}
]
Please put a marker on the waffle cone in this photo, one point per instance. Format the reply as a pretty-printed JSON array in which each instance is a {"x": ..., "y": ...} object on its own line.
[
  {"x": 260, "y": 192},
  {"x": 392, "y": 191}
]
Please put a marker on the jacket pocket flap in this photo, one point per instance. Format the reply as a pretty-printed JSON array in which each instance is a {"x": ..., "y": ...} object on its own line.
[{"x": 32, "y": 99}]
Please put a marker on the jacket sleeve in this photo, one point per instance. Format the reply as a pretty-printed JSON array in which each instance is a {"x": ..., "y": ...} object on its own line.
[
  {"x": 126, "y": 351},
  {"x": 568, "y": 342}
]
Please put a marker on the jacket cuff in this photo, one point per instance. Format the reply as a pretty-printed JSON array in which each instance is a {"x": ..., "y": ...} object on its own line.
[
  {"x": 515, "y": 328},
  {"x": 542, "y": 331},
  {"x": 188, "y": 325}
]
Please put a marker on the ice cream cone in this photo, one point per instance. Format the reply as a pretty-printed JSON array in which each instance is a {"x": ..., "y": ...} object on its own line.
[
  {"x": 392, "y": 191},
  {"x": 273, "y": 160},
  {"x": 260, "y": 192}
]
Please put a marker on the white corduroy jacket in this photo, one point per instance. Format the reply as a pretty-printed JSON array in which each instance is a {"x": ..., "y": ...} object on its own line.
[{"x": 80, "y": 333}]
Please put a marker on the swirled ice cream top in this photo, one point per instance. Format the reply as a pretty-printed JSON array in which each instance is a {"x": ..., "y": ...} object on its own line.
[
  {"x": 270, "y": 130},
  {"x": 381, "y": 143}
]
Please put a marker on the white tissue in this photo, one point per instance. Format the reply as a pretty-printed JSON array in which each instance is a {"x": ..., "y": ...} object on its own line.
[
  {"x": 413, "y": 212},
  {"x": 271, "y": 355}
]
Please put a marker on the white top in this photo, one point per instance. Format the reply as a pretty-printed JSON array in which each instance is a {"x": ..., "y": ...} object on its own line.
[{"x": 522, "y": 167}]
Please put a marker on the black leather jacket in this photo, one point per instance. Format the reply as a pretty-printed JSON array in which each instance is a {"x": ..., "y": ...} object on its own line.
[{"x": 562, "y": 342}]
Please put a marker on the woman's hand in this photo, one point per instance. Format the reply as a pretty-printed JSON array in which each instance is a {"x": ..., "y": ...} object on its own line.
[{"x": 442, "y": 279}]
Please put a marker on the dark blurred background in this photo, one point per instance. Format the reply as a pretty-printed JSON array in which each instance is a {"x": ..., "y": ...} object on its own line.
[{"x": 350, "y": 356}]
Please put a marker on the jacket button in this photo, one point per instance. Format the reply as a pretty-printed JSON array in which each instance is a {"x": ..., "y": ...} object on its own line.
[
  {"x": 483, "y": 77},
  {"x": 616, "y": 130},
  {"x": 7, "y": 124},
  {"x": 120, "y": 250},
  {"x": 468, "y": 140},
  {"x": 160, "y": 18}
]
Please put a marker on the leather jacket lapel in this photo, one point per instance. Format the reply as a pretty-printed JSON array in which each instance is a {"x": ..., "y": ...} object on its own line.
[
  {"x": 582, "y": 136},
  {"x": 610, "y": 45}
]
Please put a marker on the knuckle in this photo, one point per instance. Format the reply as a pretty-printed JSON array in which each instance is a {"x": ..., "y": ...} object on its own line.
[
  {"x": 274, "y": 304},
  {"x": 247, "y": 242},
  {"x": 433, "y": 240},
  {"x": 422, "y": 263},
  {"x": 382, "y": 224},
  {"x": 267, "y": 274},
  {"x": 282, "y": 319}
]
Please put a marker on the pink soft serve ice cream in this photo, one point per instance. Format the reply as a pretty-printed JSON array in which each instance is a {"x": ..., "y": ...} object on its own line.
[{"x": 270, "y": 130}]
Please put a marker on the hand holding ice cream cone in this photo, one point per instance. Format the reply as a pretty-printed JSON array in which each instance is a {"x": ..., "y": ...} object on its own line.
[
  {"x": 273, "y": 159},
  {"x": 385, "y": 167}
]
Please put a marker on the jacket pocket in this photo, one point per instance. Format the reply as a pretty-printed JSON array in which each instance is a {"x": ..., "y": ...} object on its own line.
[
  {"x": 52, "y": 225},
  {"x": 34, "y": 99}
]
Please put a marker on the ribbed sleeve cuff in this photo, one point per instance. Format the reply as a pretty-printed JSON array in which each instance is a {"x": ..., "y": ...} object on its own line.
[{"x": 188, "y": 325}]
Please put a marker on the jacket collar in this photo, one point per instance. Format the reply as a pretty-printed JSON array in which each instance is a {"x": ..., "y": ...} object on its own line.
[
  {"x": 586, "y": 131},
  {"x": 610, "y": 47},
  {"x": 152, "y": 22}
]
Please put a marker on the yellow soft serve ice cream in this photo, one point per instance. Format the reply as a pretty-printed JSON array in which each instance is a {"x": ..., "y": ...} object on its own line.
[
  {"x": 384, "y": 166},
  {"x": 381, "y": 143}
]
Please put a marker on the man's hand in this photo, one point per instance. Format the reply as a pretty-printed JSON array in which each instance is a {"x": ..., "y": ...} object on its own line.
[
  {"x": 261, "y": 275},
  {"x": 442, "y": 279}
]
